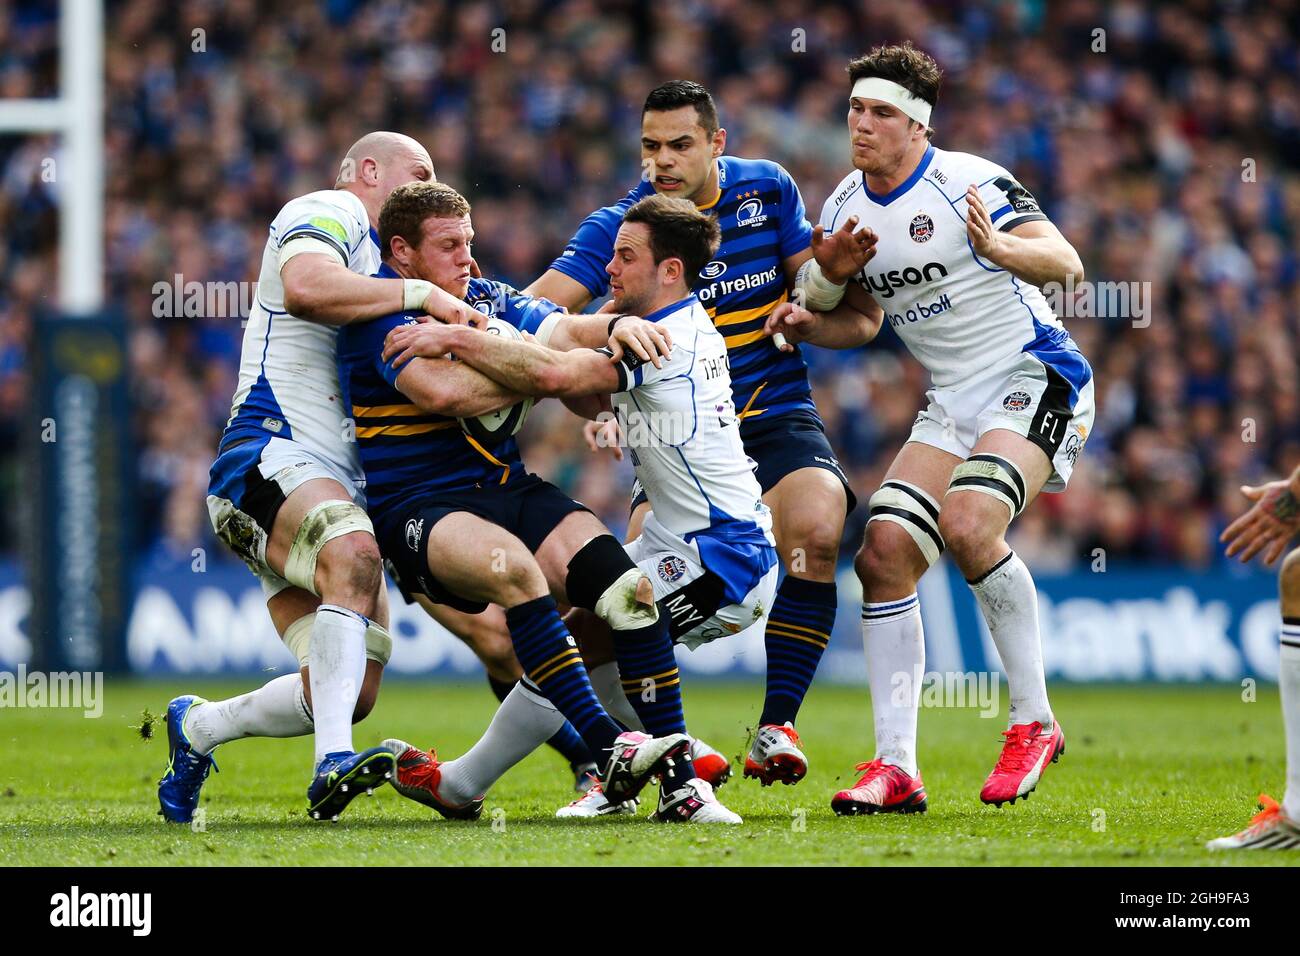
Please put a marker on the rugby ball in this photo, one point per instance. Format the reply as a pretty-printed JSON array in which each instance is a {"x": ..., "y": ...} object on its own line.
[{"x": 495, "y": 427}]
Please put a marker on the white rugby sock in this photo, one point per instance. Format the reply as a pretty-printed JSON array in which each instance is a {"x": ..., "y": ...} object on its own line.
[
  {"x": 894, "y": 641},
  {"x": 1009, "y": 600},
  {"x": 338, "y": 667},
  {"x": 524, "y": 721},
  {"x": 1288, "y": 682},
  {"x": 276, "y": 709},
  {"x": 608, "y": 685}
]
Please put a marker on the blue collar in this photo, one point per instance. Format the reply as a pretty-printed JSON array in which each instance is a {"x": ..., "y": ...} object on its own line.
[
  {"x": 668, "y": 310},
  {"x": 386, "y": 272},
  {"x": 905, "y": 185},
  {"x": 374, "y": 236}
]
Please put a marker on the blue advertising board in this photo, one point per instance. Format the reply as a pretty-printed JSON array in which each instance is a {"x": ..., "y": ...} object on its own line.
[{"x": 1126, "y": 624}]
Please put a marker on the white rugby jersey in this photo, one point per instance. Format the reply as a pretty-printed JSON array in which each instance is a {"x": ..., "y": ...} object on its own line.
[
  {"x": 680, "y": 425},
  {"x": 956, "y": 313},
  {"x": 288, "y": 372}
]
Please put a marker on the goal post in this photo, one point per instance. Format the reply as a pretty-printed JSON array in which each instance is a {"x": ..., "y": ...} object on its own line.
[{"x": 77, "y": 449}]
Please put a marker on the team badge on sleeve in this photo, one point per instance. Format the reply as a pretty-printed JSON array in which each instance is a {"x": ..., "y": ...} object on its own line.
[
  {"x": 1016, "y": 401},
  {"x": 921, "y": 229},
  {"x": 671, "y": 568}
]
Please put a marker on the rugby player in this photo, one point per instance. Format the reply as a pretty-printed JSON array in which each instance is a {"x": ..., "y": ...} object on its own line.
[
  {"x": 1269, "y": 526},
  {"x": 962, "y": 253},
  {"x": 463, "y": 523},
  {"x": 286, "y": 490},
  {"x": 705, "y": 540},
  {"x": 765, "y": 241}
]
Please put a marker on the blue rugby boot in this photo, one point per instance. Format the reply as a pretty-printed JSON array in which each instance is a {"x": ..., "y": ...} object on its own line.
[
  {"x": 178, "y": 790},
  {"x": 343, "y": 775}
]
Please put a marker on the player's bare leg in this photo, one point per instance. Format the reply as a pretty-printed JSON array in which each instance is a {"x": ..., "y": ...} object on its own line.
[
  {"x": 808, "y": 509},
  {"x": 348, "y": 578},
  {"x": 487, "y": 636},
  {"x": 279, "y": 708},
  {"x": 481, "y": 561},
  {"x": 1006, "y": 472},
  {"x": 901, "y": 541},
  {"x": 1271, "y": 524},
  {"x": 594, "y": 637},
  {"x": 589, "y": 569}
]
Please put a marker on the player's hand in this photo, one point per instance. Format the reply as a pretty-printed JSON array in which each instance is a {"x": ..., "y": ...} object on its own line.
[
  {"x": 445, "y": 306},
  {"x": 984, "y": 239},
  {"x": 423, "y": 340},
  {"x": 603, "y": 434},
  {"x": 791, "y": 321},
  {"x": 844, "y": 253},
  {"x": 646, "y": 340},
  {"x": 1270, "y": 524}
]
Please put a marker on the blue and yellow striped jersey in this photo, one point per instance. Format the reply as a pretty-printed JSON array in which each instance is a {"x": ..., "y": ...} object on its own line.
[
  {"x": 762, "y": 218},
  {"x": 408, "y": 453}
]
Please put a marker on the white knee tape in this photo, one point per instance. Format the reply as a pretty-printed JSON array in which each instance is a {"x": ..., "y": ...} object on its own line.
[
  {"x": 323, "y": 523},
  {"x": 618, "y": 606},
  {"x": 911, "y": 509},
  {"x": 991, "y": 475},
  {"x": 379, "y": 644},
  {"x": 297, "y": 637}
]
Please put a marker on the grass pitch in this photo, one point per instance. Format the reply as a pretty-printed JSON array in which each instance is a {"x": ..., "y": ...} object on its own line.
[{"x": 1150, "y": 773}]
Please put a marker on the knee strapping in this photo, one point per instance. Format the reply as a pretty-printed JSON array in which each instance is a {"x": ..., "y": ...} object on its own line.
[
  {"x": 603, "y": 579},
  {"x": 991, "y": 475},
  {"x": 911, "y": 509},
  {"x": 297, "y": 637},
  {"x": 322, "y": 524}
]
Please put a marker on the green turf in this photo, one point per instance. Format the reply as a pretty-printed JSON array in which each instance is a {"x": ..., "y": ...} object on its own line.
[{"x": 1162, "y": 768}]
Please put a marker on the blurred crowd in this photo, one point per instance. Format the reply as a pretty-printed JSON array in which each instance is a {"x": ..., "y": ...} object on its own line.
[{"x": 1163, "y": 139}]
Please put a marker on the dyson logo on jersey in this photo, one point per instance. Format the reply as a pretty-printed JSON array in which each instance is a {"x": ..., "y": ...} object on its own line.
[
  {"x": 919, "y": 312},
  {"x": 886, "y": 282},
  {"x": 740, "y": 284}
]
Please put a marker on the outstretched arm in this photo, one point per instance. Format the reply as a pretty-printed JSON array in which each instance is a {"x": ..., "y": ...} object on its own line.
[
  {"x": 560, "y": 289},
  {"x": 319, "y": 288},
  {"x": 452, "y": 388},
  {"x": 522, "y": 367},
  {"x": 855, "y": 321},
  {"x": 1270, "y": 523}
]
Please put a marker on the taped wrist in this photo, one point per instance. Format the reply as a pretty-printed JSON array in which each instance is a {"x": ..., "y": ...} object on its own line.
[
  {"x": 603, "y": 579},
  {"x": 414, "y": 294},
  {"x": 814, "y": 291}
]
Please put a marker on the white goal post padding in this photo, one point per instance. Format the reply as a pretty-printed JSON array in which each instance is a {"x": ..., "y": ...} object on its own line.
[{"x": 77, "y": 115}]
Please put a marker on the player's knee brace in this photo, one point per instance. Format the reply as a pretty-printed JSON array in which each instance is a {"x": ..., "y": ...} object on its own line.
[
  {"x": 297, "y": 637},
  {"x": 911, "y": 509},
  {"x": 603, "y": 579},
  {"x": 991, "y": 475},
  {"x": 322, "y": 524}
]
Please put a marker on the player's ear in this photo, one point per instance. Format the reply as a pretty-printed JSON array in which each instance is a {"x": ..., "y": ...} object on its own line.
[
  {"x": 670, "y": 270},
  {"x": 719, "y": 142},
  {"x": 369, "y": 172},
  {"x": 400, "y": 250}
]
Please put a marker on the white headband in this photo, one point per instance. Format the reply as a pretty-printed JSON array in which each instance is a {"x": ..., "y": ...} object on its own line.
[{"x": 887, "y": 91}]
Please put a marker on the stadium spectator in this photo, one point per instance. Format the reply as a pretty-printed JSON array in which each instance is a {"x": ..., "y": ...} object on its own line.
[{"x": 1169, "y": 156}]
